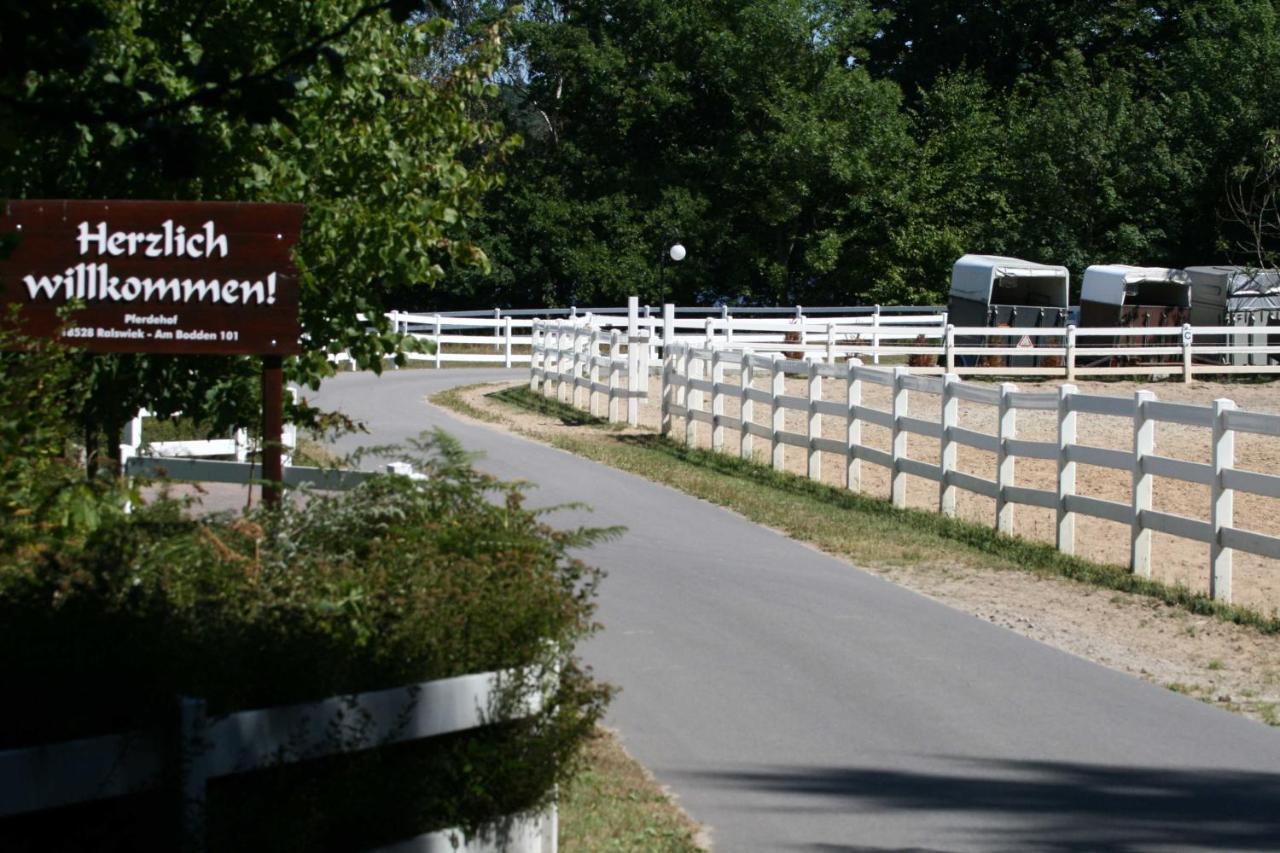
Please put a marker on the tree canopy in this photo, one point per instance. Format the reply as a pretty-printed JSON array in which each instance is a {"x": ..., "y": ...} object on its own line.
[
  {"x": 333, "y": 103},
  {"x": 804, "y": 151},
  {"x": 836, "y": 151}
]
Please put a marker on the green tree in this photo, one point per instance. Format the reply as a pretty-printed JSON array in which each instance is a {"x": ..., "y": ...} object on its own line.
[
  {"x": 751, "y": 131},
  {"x": 326, "y": 103}
]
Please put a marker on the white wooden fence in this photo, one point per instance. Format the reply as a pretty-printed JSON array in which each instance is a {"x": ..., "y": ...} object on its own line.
[
  {"x": 588, "y": 369},
  {"x": 55, "y": 775},
  {"x": 505, "y": 336},
  {"x": 941, "y": 348},
  {"x": 238, "y": 445}
]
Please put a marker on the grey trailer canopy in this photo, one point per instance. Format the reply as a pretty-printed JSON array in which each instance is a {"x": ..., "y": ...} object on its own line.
[
  {"x": 1219, "y": 292},
  {"x": 991, "y": 291},
  {"x": 1237, "y": 296},
  {"x": 1118, "y": 284},
  {"x": 995, "y": 280}
]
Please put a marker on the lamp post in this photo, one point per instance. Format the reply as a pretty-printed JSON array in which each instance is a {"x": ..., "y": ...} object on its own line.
[{"x": 676, "y": 253}]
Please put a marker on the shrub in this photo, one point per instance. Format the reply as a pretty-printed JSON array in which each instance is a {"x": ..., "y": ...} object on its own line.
[{"x": 395, "y": 582}]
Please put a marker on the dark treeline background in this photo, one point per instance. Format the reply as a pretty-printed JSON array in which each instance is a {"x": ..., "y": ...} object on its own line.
[{"x": 833, "y": 151}]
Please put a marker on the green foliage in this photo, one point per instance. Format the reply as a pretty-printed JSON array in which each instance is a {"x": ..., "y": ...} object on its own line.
[
  {"x": 325, "y": 103},
  {"x": 395, "y": 582},
  {"x": 44, "y": 496},
  {"x": 744, "y": 129},
  {"x": 834, "y": 151}
]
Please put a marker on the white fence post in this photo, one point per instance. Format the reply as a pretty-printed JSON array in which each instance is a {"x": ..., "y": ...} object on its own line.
[
  {"x": 574, "y": 365},
  {"x": 728, "y": 330},
  {"x": 853, "y": 427},
  {"x": 831, "y": 343},
  {"x": 1222, "y": 510},
  {"x": 1069, "y": 361},
  {"x": 804, "y": 333},
  {"x": 717, "y": 402},
  {"x": 815, "y": 422},
  {"x": 395, "y": 327},
  {"x": 778, "y": 415},
  {"x": 664, "y": 424},
  {"x": 948, "y": 447},
  {"x": 241, "y": 438},
  {"x": 645, "y": 362},
  {"x": 506, "y": 334},
  {"x": 615, "y": 353},
  {"x": 1188, "y": 334},
  {"x": 497, "y": 327},
  {"x": 949, "y": 346},
  {"x": 875, "y": 336},
  {"x": 746, "y": 406},
  {"x": 668, "y": 324},
  {"x": 635, "y": 383},
  {"x": 693, "y": 402},
  {"x": 1008, "y": 428},
  {"x": 550, "y": 357},
  {"x": 533, "y": 356},
  {"x": 439, "y": 346},
  {"x": 686, "y": 353},
  {"x": 1066, "y": 534},
  {"x": 562, "y": 358},
  {"x": 593, "y": 372},
  {"x": 709, "y": 334},
  {"x": 898, "y": 482},
  {"x": 192, "y": 749},
  {"x": 1144, "y": 444}
]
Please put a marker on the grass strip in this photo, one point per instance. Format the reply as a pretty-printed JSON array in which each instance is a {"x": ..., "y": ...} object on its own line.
[
  {"x": 614, "y": 804},
  {"x": 863, "y": 529}
]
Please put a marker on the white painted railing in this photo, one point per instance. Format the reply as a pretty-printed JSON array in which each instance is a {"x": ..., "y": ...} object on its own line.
[
  {"x": 238, "y": 445},
  {"x": 55, "y": 775},
  {"x": 577, "y": 361},
  {"x": 570, "y": 360},
  {"x": 685, "y": 391},
  {"x": 504, "y": 337},
  {"x": 870, "y": 333}
]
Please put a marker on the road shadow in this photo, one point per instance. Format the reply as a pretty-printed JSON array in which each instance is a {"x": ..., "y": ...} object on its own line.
[{"x": 1051, "y": 806}]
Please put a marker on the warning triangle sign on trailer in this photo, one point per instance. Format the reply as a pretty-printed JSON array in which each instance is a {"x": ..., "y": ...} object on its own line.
[{"x": 1025, "y": 343}]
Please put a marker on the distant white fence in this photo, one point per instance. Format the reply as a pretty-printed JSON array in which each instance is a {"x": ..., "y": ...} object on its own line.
[
  {"x": 505, "y": 336},
  {"x": 870, "y": 333},
  {"x": 55, "y": 775},
  {"x": 589, "y": 369}
]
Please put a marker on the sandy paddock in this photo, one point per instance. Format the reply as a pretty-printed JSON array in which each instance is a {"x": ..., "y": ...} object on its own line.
[{"x": 1256, "y": 580}]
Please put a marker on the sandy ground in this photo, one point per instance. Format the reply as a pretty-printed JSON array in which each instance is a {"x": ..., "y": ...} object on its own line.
[
  {"x": 1256, "y": 580},
  {"x": 1225, "y": 664}
]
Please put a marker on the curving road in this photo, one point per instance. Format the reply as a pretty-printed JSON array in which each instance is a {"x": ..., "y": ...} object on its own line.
[{"x": 794, "y": 703}]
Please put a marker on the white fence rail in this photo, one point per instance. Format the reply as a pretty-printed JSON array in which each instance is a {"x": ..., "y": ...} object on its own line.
[
  {"x": 570, "y": 360},
  {"x": 62, "y": 774},
  {"x": 871, "y": 333}
]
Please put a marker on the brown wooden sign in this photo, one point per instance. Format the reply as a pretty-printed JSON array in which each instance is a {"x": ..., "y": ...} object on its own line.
[{"x": 154, "y": 276}]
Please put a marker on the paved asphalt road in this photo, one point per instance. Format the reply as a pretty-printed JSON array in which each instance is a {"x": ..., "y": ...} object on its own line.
[{"x": 794, "y": 703}]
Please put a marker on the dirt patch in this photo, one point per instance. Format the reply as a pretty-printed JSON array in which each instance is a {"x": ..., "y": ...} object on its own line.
[{"x": 1229, "y": 665}]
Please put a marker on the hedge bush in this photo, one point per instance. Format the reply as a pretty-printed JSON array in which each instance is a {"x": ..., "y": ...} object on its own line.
[{"x": 106, "y": 618}]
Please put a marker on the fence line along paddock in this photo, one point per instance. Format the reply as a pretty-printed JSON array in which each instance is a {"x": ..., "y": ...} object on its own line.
[
  {"x": 920, "y": 334},
  {"x": 56, "y": 775},
  {"x": 697, "y": 381}
]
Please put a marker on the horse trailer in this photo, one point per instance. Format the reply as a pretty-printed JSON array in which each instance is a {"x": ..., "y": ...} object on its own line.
[
  {"x": 1237, "y": 296},
  {"x": 993, "y": 291}
]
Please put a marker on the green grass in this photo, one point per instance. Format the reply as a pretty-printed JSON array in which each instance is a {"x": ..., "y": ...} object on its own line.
[
  {"x": 569, "y": 416},
  {"x": 613, "y": 804},
  {"x": 865, "y": 530}
]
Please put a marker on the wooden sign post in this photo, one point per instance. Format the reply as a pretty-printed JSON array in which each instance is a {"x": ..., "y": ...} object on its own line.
[{"x": 199, "y": 278}]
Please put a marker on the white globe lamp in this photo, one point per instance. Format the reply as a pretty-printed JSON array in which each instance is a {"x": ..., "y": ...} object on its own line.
[{"x": 677, "y": 252}]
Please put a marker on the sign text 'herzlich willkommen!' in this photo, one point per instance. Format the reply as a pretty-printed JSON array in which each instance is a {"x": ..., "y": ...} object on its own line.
[{"x": 153, "y": 276}]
